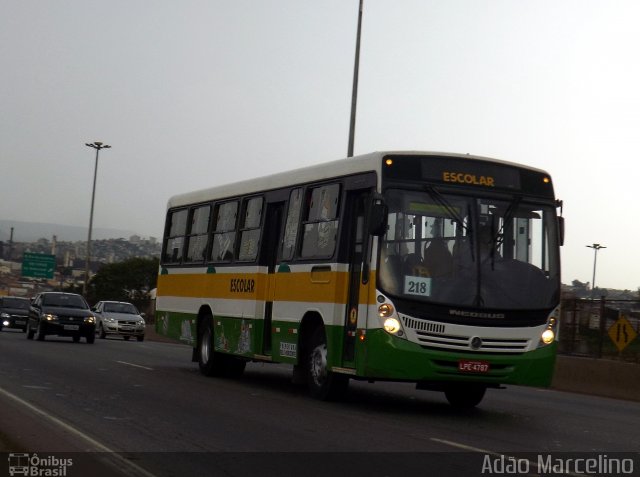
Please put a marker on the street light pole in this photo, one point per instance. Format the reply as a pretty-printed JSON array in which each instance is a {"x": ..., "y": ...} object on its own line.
[
  {"x": 354, "y": 93},
  {"x": 595, "y": 247},
  {"x": 97, "y": 145}
]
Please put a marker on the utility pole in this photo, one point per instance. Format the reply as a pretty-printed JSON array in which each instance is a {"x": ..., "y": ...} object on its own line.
[
  {"x": 97, "y": 145},
  {"x": 595, "y": 247},
  {"x": 354, "y": 93}
]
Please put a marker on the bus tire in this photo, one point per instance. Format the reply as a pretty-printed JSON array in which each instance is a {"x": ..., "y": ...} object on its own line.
[
  {"x": 465, "y": 396},
  {"x": 209, "y": 362},
  {"x": 323, "y": 384}
]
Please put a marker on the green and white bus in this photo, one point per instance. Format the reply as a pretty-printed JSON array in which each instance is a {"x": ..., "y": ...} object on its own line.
[{"x": 434, "y": 268}]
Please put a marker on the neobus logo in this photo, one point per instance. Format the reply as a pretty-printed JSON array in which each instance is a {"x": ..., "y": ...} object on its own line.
[{"x": 475, "y": 314}]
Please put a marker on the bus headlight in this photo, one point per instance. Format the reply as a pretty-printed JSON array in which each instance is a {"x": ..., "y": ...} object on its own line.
[
  {"x": 549, "y": 335},
  {"x": 391, "y": 325},
  {"x": 389, "y": 317}
]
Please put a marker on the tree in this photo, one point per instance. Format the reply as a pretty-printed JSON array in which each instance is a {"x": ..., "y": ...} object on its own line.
[
  {"x": 130, "y": 280},
  {"x": 579, "y": 284}
]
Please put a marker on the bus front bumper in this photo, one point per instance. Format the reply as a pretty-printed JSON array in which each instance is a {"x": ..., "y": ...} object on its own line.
[{"x": 387, "y": 357}]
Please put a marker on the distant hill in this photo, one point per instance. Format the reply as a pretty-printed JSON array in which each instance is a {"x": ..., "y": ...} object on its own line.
[{"x": 31, "y": 232}]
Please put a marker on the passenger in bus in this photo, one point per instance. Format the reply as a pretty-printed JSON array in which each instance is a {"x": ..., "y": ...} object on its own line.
[
  {"x": 414, "y": 266},
  {"x": 390, "y": 271},
  {"x": 438, "y": 258}
]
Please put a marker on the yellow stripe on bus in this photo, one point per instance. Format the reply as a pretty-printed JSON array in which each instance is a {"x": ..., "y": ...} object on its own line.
[{"x": 330, "y": 287}]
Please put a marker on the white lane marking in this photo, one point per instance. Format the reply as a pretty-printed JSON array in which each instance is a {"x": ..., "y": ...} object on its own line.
[
  {"x": 134, "y": 365},
  {"x": 464, "y": 447},
  {"x": 125, "y": 465}
]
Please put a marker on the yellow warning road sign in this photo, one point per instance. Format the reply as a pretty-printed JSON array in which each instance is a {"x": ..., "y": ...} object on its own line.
[{"x": 622, "y": 333}]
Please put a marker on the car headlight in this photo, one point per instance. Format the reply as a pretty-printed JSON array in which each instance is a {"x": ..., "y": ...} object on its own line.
[
  {"x": 49, "y": 317},
  {"x": 90, "y": 319},
  {"x": 5, "y": 315},
  {"x": 110, "y": 320}
]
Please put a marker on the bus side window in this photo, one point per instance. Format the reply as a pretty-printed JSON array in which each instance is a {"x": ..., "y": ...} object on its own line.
[
  {"x": 321, "y": 227},
  {"x": 198, "y": 233},
  {"x": 224, "y": 234},
  {"x": 250, "y": 229},
  {"x": 292, "y": 224},
  {"x": 174, "y": 240}
]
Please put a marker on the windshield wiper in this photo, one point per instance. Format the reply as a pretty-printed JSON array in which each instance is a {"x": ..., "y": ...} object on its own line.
[
  {"x": 498, "y": 238},
  {"x": 508, "y": 215},
  {"x": 440, "y": 199}
]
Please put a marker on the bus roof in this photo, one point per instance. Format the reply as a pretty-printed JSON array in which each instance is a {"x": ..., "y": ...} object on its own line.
[{"x": 317, "y": 172}]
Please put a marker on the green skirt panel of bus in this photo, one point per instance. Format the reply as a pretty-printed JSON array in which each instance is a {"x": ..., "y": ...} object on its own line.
[
  {"x": 388, "y": 357},
  {"x": 239, "y": 336},
  {"x": 178, "y": 326},
  {"x": 246, "y": 337}
]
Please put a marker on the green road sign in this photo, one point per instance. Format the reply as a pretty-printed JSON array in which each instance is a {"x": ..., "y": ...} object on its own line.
[{"x": 38, "y": 265}]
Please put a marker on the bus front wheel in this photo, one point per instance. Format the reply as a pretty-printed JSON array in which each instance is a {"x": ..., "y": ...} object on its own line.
[
  {"x": 323, "y": 383},
  {"x": 465, "y": 396}
]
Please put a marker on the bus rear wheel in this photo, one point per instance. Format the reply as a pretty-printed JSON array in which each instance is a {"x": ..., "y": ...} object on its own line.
[
  {"x": 212, "y": 363},
  {"x": 323, "y": 383},
  {"x": 209, "y": 362},
  {"x": 465, "y": 396}
]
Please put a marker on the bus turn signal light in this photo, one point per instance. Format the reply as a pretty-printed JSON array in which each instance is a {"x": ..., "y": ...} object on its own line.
[{"x": 385, "y": 310}]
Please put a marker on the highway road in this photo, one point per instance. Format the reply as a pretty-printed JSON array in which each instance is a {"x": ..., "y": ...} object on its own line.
[{"x": 143, "y": 409}]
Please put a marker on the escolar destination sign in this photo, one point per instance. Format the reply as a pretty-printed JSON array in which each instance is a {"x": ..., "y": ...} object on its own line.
[{"x": 38, "y": 265}]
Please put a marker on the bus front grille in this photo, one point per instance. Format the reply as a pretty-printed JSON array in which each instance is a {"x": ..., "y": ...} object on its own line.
[{"x": 432, "y": 335}]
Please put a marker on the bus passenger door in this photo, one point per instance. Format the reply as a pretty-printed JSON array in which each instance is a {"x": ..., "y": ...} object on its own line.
[
  {"x": 355, "y": 212},
  {"x": 269, "y": 256}
]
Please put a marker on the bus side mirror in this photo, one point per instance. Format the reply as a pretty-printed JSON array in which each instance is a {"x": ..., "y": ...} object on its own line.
[
  {"x": 561, "y": 229},
  {"x": 378, "y": 219}
]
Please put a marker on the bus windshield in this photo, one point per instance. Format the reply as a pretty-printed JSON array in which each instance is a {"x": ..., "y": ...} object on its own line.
[{"x": 468, "y": 251}]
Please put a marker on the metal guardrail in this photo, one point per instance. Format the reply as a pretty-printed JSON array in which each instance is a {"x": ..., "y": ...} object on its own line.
[{"x": 600, "y": 329}]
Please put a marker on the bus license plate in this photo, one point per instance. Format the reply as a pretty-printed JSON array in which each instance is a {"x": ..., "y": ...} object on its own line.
[
  {"x": 71, "y": 327},
  {"x": 469, "y": 366}
]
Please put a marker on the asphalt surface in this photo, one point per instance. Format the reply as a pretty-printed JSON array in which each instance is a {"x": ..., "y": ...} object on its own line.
[{"x": 134, "y": 408}]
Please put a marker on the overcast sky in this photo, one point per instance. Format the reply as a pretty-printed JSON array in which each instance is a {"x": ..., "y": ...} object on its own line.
[{"x": 194, "y": 93}]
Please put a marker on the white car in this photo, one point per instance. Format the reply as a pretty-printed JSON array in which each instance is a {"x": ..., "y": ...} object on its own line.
[{"x": 119, "y": 318}]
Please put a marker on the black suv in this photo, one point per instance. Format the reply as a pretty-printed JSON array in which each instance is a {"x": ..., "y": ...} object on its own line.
[
  {"x": 62, "y": 314},
  {"x": 14, "y": 312}
]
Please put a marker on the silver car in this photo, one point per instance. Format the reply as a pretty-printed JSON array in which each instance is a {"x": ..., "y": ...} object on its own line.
[{"x": 119, "y": 318}]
